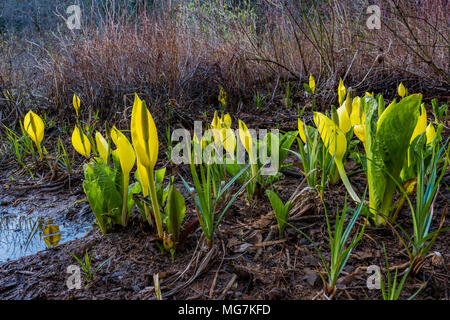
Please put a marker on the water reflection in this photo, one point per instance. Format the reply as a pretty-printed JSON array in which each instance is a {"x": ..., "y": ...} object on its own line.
[
  {"x": 23, "y": 235},
  {"x": 51, "y": 235}
]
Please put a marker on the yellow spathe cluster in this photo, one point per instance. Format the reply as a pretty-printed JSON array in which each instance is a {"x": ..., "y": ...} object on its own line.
[{"x": 222, "y": 132}]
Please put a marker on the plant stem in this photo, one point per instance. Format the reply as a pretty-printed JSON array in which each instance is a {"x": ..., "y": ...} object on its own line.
[
  {"x": 40, "y": 151},
  {"x": 346, "y": 182},
  {"x": 155, "y": 204},
  {"x": 126, "y": 180},
  {"x": 254, "y": 169}
]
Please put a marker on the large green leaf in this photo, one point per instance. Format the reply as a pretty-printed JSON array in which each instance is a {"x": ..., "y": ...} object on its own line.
[
  {"x": 387, "y": 142},
  {"x": 394, "y": 130},
  {"x": 102, "y": 191},
  {"x": 106, "y": 178},
  {"x": 95, "y": 197},
  {"x": 375, "y": 175}
]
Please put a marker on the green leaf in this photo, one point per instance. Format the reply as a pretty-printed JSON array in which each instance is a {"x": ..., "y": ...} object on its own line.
[
  {"x": 175, "y": 211},
  {"x": 234, "y": 168},
  {"x": 272, "y": 144},
  {"x": 285, "y": 144},
  {"x": 387, "y": 142},
  {"x": 101, "y": 188},
  {"x": 307, "y": 88},
  {"x": 281, "y": 210},
  {"x": 416, "y": 151},
  {"x": 134, "y": 188},
  {"x": 394, "y": 131},
  {"x": 159, "y": 175}
]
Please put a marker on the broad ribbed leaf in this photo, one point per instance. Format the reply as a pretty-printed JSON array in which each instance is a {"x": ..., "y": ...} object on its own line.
[
  {"x": 394, "y": 131},
  {"x": 386, "y": 148}
]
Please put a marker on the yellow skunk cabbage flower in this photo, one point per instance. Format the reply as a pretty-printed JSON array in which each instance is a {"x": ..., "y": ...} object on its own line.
[
  {"x": 431, "y": 133},
  {"x": 146, "y": 145},
  {"x": 102, "y": 146},
  {"x": 141, "y": 170},
  {"x": 247, "y": 142},
  {"x": 195, "y": 139},
  {"x": 220, "y": 122},
  {"x": 226, "y": 122},
  {"x": 341, "y": 91},
  {"x": 115, "y": 134},
  {"x": 348, "y": 102},
  {"x": 34, "y": 126},
  {"x": 357, "y": 115},
  {"x": 81, "y": 142},
  {"x": 76, "y": 103},
  {"x": 203, "y": 141},
  {"x": 135, "y": 140},
  {"x": 126, "y": 154},
  {"x": 360, "y": 132},
  {"x": 143, "y": 177},
  {"x": 246, "y": 138},
  {"x": 127, "y": 160},
  {"x": 215, "y": 124},
  {"x": 421, "y": 125},
  {"x": 312, "y": 83},
  {"x": 301, "y": 130},
  {"x": 344, "y": 120},
  {"x": 336, "y": 143},
  {"x": 228, "y": 140},
  {"x": 333, "y": 138},
  {"x": 402, "y": 91},
  {"x": 222, "y": 97}
]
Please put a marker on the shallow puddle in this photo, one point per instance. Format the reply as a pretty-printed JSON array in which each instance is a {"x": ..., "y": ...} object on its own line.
[{"x": 24, "y": 235}]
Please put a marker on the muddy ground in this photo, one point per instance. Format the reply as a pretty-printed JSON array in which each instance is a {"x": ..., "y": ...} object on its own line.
[{"x": 247, "y": 261}]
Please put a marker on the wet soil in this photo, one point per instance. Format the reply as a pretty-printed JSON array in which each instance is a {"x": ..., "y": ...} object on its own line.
[{"x": 247, "y": 260}]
